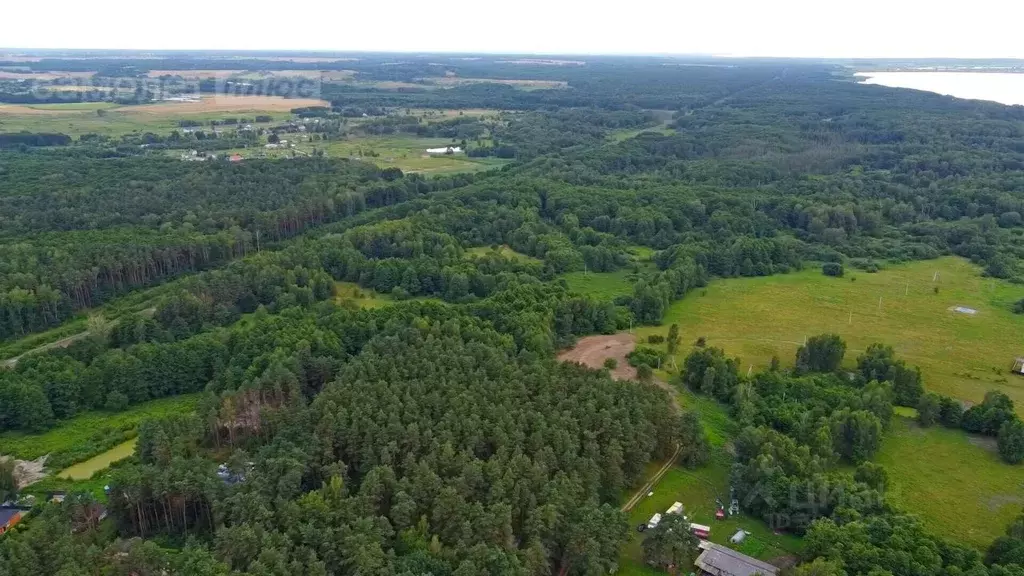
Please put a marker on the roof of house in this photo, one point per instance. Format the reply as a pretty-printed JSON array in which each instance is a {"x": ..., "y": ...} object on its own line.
[
  {"x": 722, "y": 561},
  {"x": 6, "y": 514}
]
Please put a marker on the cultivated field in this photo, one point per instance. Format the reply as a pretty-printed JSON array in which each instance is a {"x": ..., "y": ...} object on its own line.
[
  {"x": 960, "y": 355},
  {"x": 76, "y": 119}
]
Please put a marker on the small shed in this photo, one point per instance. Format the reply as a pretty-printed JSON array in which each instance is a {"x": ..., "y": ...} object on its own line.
[
  {"x": 675, "y": 508},
  {"x": 654, "y": 521},
  {"x": 1018, "y": 366}
]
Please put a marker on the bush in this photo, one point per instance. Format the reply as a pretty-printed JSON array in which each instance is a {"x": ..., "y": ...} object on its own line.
[
  {"x": 1018, "y": 306},
  {"x": 611, "y": 363},
  {"x": 644, "y": 373},
  {"x": 645, "y": 355},
  {"x": 655, "y": 339},
  {"x": 832, "y": 269},
  {"x": 928, "y": 409}
]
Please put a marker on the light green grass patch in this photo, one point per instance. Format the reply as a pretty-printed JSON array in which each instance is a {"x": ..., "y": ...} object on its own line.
[
  {"x": 601, "y": 285},
  {"x": 956, "y": 483},
  {"x": 503, "y": 250},
  {"x": 362, "y": 297},
  {"x": 85, "y": 470},
  {"x": 960, "y": 355}
]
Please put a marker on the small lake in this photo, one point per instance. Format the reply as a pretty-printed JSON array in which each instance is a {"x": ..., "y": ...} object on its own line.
[
  {"x": 85, "y": 470},
  {"x": 1002, "y": 87}
]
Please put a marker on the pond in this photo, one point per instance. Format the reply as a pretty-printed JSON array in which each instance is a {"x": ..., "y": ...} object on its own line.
[{"x": 85, "y": 470}]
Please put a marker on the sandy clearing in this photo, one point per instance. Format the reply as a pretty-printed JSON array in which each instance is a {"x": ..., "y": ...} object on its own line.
[
  {"x": 225, "y": 104},
  {"x": 28, "y": 471},
  {"x": 593, "y": 350}
]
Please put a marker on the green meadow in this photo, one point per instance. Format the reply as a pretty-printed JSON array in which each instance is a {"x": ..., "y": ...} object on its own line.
[
  {"x": 956, "y": 483},
  {"x": 907, "y": 306}
]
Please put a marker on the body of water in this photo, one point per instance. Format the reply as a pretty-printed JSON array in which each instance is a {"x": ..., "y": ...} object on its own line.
[{"x": 1002, "y": 87}]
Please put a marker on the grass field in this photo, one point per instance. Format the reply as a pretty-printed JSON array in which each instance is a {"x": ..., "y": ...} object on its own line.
[
  {"x": 956, "y": 484},
  {"x": 86, "y": 433},
  {"x": 960, "y": 355},
  {"x": 76, "y": 119},
  {"x": 406, "y": 153}
]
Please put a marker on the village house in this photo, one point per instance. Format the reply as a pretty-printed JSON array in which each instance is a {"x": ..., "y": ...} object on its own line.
[{"x": 8, "y": 518}]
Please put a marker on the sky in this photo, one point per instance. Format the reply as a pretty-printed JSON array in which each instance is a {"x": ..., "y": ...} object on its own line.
[{"x": 782, "y": 28}]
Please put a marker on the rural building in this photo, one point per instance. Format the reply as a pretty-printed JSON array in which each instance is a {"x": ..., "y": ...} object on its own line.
[
  {"x": 654, "y": 521},
  {"x": 716, "y": 560},
  {"x": 235, "y": 158},
  {"x": 675, "y": 508},
  {"x": 8, "y": 518}
]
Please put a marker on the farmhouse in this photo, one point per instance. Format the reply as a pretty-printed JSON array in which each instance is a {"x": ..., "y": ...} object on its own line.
[
  {"x": 716, "y": 560},
  {"x": 8, "y": 518}
]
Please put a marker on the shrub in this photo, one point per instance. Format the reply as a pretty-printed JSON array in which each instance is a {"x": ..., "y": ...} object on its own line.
[
  {"x": 611, "y": 363},
  {"x": 655, "y": 339},
  {"x": 832, "y": 269}
]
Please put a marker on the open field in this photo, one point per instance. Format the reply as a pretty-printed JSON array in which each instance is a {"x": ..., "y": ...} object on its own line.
[
  {"x": 76, "y": 119},
  {"x": 225, "y": 103},
  {"x": 404, "y": 152},
  {"x": 8, "y": 75},
  {"x": 592, "y": 351},
  {"x": 451, "y": 81},
  {"x": 955, "y": 482},
  {"x": 194, "y": 74},
  {"x": 960, "y": 355}
]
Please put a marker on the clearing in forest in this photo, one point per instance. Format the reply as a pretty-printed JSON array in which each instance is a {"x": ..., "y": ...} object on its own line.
[{"x": 960, "y": 355}]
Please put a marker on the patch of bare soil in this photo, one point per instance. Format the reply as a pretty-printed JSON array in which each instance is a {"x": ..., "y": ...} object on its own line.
[
  {"x": 593, "y": 350},
  {"x": 28, "y": 471}
]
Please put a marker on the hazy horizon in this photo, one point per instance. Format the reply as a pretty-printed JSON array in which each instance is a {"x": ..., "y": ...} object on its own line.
[{"x": 913, "y": 29}]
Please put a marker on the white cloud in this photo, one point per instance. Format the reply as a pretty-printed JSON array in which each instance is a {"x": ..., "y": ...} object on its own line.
[{"x": 865, "y": 28}]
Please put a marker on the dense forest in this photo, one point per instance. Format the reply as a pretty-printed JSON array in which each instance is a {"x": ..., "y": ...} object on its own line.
[{"x": 438, "y": 434}]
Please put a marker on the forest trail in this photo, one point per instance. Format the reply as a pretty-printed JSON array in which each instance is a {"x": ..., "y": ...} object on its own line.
[{"x": 69, "y": 340}]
